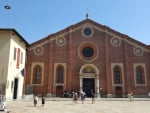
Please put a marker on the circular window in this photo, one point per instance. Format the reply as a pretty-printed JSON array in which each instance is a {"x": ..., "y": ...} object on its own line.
[
  {"x": 38, "y": 50},
  {"x": 87, "y": 31},
  {"x": 87, "y": 52},
  {"x": 115, "y": 42},
  {"x": 138, "y": 51},
  {"x": 61, "y": 41}
]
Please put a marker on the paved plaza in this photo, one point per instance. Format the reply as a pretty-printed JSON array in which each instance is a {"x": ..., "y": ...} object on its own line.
[{"x": 61, "y": 105}]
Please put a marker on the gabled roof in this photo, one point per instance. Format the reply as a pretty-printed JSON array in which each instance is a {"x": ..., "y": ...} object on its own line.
[
  {"x": 13, "y": 30},
  {"x": 100, "y": 26}
]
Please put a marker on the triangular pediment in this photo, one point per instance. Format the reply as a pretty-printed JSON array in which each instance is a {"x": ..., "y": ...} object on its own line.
[{"x": 95, "y": 25}]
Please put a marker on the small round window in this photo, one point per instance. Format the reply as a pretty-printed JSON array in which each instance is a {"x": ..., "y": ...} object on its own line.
[
  {"x": 61, "y": 41},
  {"x": 87, "y": 31},
  {"x": 88, "y": 52},
  {"x": 38, "y": 50},
  {"x": 138, "y": 51}
]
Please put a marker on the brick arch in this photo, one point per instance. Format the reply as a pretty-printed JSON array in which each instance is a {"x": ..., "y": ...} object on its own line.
[{"x": 96, "y": 70}]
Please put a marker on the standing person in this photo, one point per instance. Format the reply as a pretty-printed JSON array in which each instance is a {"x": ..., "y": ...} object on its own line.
[
  {"x": 43, "y": 100},
  {"x": 93, "y": 97},
  {"x": 82, "y": 94},
  {"x": 131, "y": 96},
  {"x": 76, "y": 97},
  {"x": 35, "y": 100},
  {"x": 73, "y": 96}
]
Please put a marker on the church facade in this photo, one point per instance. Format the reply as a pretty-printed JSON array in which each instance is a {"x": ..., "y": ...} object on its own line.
[{"x": 88, "y": 56}]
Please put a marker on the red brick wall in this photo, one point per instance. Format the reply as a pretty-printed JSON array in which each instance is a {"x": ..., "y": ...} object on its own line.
[{"x": 68, "y": 54}]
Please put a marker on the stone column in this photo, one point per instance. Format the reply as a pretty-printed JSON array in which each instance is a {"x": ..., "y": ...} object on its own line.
[
  {"x": 81, "y": 82},
  {"x": 97, "y": 86}
]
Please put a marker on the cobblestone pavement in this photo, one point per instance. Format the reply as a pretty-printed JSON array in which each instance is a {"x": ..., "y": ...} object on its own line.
[{"x": 67, "y": 106}]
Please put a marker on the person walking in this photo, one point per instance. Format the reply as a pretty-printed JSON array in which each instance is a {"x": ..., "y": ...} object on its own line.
[
  {"x": 93, "y": 97},
  {"x": 43, "y": 100},
  {"x": 35, "y": 100},
  {"x": 82, "y": 94},
  {"x": 73, "y": 96},
  {"x": 76, "y": 97},
  {"x": 131, "y": 97}
]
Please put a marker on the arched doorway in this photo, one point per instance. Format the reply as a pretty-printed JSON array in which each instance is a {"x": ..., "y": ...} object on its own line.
[{"x": 89, "y": 79}]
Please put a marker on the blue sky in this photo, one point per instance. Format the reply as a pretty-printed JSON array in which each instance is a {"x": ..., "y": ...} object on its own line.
[{"x": 35, "y": 19}]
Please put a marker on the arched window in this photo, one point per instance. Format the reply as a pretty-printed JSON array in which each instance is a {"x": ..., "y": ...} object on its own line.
[
  {"x": 60, "y": 74},
  {"x": 117, "y": 75},
  {"x": 37, "y": 74},
  {"x": 140, "y": 75}
]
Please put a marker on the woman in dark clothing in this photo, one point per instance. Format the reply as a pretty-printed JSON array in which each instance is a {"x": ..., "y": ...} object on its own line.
[
  {"x": 43, "y": 100},
  {"x": 93, "y": 97}
]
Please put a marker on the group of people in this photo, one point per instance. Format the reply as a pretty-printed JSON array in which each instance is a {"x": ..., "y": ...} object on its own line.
[
  {"x": 76, "y": 95},
  {"x": 36, "y": 100}
]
